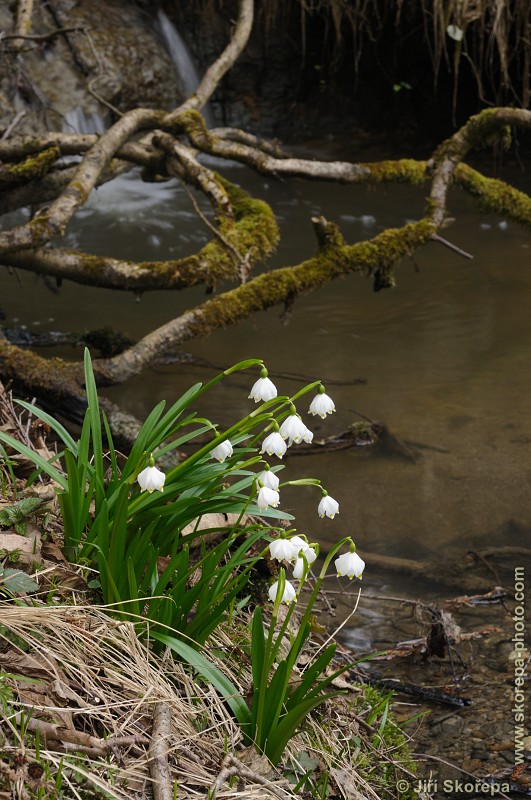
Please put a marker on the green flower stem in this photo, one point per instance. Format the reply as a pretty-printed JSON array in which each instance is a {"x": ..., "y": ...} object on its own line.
[
  {"x": 255, "y": 416},
  {"x": 303, "y": 482},
  {"x": 318, "y": 582},
  {"x": 302, "y": 633},
  {"x": 305, "y": 390},
  {"x": 268, "y": 661}
]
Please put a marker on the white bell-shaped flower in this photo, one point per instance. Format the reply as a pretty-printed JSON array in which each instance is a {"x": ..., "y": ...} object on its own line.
[
  {"x": 294, "y": 430},
  {"x": 299, "y": 543},
  {"x": 274, "y": 444},
  {"x": 288, "y": 595},
  {"x": 349, "y": 564},
  {"x": 264, "y": 389},
  {"x": 321, "y": 404},
  {"x": 310, "y": 555},
  {"x": 283, "y": 549},
  {"x": 221, "y": 451},
  {"x": 328, "y": 507},
  {"x": 267, "y": 497},
  {"x": 308, "y": 436},
  {"x": 268, "y": 478},
  {"x": 151, "y": 479}
]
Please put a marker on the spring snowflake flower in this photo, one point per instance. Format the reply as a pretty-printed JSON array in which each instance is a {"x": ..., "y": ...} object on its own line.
[
  {"x": 299, "y": 543},
  {"x": 288, "y": 595},
  {"x": 151, "y": 478},
  {"x": 274, "y": 444},
  {"x": 267, "y": 497},
  {"x": 349, "y": 564},
  {"x": 328, "y": 506},
  {"x": 283, "y": 549},
  {"x": 268, "y": 478},
  {"x": 294, "y": 430},
  {"x": 221, "y": 451},
  {"x": 321, "y": 404},
  {"x": 310, "y": 555},
  {"x": 264, "y": 389}
]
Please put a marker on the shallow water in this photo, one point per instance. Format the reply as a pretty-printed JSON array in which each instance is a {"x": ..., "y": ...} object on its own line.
[{"x": 444, "y": 357}]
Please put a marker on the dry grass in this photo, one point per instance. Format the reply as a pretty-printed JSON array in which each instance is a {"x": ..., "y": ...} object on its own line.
[
  {"x": 89, "y": 674},
  {"x": 75, "y": 668}
]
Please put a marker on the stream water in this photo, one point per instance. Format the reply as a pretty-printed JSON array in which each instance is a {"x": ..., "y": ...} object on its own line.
[{"x": 443, "y": 360}]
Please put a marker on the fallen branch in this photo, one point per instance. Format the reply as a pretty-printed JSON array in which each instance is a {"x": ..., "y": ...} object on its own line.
[
  {"x": 231, "y": 767},
  {"x": 51, "y": 731},
  {"x": 425, "y": 693},
  {"x": 475, "y": 133},
  {"x": 159, "y": 768}
]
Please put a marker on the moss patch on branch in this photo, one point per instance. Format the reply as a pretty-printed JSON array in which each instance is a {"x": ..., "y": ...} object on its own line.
[
  {"x": 52, "y": 378},
  {"x": 494, "y": 195},
  {"x": 378, "y": 258},
  {"x": 31, "y": 167}
]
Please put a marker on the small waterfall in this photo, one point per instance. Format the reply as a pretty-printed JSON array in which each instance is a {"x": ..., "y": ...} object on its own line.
[
  {"x": 182, "y": 60},
  {"x": 78, "y": 121}
]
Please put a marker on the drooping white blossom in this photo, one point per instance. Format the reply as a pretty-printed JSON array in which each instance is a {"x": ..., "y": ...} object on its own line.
[
  {"x": 308, "y": 436},
  {"x": 321, "y": 405},
  {"x": 299, "y": 543},
  {"x": 267, "y": 497},
  {"x": 283, "y": 549},
  {"x": 151, "y": 479},
  {"x": 268, "y": 478},
  {"x": 349, "y": 564},
  {"x": 294, "y": 430},
  {"x": 221, "y": 451},
  {"x": 328, "y": 507},
  {"x": 264, "y": 389},
  {"x": 274, "y": 444},
  {"x": 310, "y": 555},
  {"x": 288, "y": 595}
]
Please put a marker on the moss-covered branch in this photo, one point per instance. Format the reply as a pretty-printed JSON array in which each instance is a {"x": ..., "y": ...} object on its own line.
[
  {"x": 250, "y": 229},
  {"x": 478, "y": 132},
  {"x": 378, "y": 258}
]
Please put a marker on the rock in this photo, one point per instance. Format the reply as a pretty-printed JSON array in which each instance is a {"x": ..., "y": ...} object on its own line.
[{"x": 116, "y": 55}]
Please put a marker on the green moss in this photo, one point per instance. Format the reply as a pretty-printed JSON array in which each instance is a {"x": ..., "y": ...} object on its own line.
[
  {"x": 404, "y": 170},
  {"x": 194, "y": 124},
  {"x": 50, "y": 377},
  {"x": 484, "y": 128},
  {"x": 494, "y": 195},
  {"x": 378, "y": 257},
  {"x": 389, "y": 739},
  {"x": 33, "y": 166}
]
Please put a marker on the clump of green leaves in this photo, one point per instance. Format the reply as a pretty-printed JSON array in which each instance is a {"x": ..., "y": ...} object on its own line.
[{"x": 18, "y": 515}]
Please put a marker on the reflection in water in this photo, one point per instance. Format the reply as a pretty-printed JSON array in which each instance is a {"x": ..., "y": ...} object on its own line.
[{"x": 444, "y": 357}]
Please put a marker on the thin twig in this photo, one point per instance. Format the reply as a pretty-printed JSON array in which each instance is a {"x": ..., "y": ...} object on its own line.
[
  {"x": 231, "y": 766},
  {"x": 42, "y": 37},
  {"x": 13, "y": 124},
  {"x": 242, "y": 262},
  {"x": 436, "y": 238}
]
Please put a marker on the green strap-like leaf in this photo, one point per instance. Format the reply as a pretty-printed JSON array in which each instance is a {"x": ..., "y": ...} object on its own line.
[
  {"x": 37, "y": 459},
  {"x": 210, "y": 673}
]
